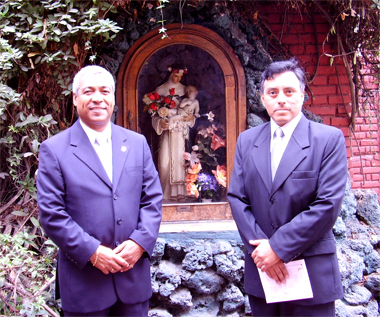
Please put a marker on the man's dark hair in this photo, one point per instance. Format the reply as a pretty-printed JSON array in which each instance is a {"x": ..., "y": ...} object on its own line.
[{"x": 275, "y": 68}]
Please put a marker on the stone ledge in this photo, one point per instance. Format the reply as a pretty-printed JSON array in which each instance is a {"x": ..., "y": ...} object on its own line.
[{"x": 201, "y": 228}]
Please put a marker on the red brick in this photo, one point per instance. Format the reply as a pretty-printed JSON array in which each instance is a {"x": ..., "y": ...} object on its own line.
[
  {"x": 344, "y": 109},
  {"x": 297, "y": 49},
  {"x": 354, "y": 142},
  {"x": 356, "y": 185},
  {"x": 356, "y": 170},
  {"x": 292, "y": 39},
  {"x": 359, "y": 120},
  {"x": 370, "y": 184},
  {"x": 372, "y": 135},
  {"x": 357, "y": 178},
  {"x": 333, "y": 80},
  {"x": 375, "y": 177},
  {"x": 369, "y": 142},
  {"x": 345, "y": 130},
  {"x": 323, "y": 110},
  {"x": 360, "y": 135},
  {"x": 371, "y": 170},
  {"x": 322, "y": 100},
  {"x": 274, "y": 18},
  {"x": 371, "y": 127},
  {"x": 325, "y": 90},
  {"x": 312, "y": 49},
  {"x": 337, "y": 99},
  {"x": 326, "y": 70},
  {"x": 336, "y": 122}
]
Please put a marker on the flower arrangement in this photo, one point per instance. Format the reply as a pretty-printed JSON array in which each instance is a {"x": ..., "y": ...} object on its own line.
[
  {"x": 160, "y": 105},
  {"x": 204, "y": 185},
  {"x": 206, "y": 171},
  {"x": 177, "y": 70}
]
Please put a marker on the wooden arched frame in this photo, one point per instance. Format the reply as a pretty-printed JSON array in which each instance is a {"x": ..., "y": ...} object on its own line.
[{"x": 205, "y": 39}]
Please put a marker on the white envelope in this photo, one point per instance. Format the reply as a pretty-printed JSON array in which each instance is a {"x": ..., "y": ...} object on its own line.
[{"x": 297, "y": 286}]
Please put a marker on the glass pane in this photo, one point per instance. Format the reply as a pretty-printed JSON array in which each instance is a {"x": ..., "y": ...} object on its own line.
[{"x": 190, "y": 155}]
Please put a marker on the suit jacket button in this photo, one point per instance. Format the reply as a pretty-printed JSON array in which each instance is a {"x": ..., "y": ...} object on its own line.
[
  {"x": 272, "y": 201},
  {"x": 115, "y": 197},
  {"x": 117, "y": 243},
  {"x": 119, "y": 221}
]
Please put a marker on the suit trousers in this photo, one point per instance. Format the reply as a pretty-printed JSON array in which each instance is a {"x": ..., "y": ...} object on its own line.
[
  {"x": 260, "y": 307},
  {"x": 117, "y": 310}
]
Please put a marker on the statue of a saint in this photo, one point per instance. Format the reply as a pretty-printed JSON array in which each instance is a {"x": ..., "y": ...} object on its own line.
[{"x": 174, "y": 129}]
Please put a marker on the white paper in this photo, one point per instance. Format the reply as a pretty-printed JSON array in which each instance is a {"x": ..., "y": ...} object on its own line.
[{"x": 297, "y": 286}]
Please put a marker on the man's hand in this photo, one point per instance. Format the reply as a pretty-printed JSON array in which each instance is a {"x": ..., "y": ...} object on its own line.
[
  {"x": 107, "y": 261},
  {"x": 268, "y": 261},
  {"x": 131, "y": 252}
]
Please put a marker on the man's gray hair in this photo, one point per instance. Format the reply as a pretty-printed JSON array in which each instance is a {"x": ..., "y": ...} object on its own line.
[
  {"x": 276, "y": 68},
  {"x": 92, "y": 70}
]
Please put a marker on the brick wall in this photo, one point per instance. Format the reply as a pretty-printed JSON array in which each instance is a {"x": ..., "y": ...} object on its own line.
[{"x": 329, "y": 90}]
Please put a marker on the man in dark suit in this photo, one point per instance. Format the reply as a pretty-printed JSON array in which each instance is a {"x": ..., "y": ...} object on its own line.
[
  {"x": 100, "y": 201},
  {"x": 285, "y": 194}
]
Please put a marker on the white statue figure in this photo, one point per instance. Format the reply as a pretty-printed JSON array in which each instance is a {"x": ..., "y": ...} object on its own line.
[
  {"x": 188, "y": 106},
  {"x": 172, "y": 144}
]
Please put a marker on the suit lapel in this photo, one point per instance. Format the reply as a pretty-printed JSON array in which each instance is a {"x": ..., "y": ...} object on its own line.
[
  {"x": 86, "y": 152},
  {"x": 120, "y": 151},
  {"x": 294, "y": 153},
  {"x": 261, "y": 156}
]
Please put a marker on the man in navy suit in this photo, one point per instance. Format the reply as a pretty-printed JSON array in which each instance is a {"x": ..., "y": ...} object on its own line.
[
  {"x": 285, "y": 194},
  {"x": 100, "y": 201}
]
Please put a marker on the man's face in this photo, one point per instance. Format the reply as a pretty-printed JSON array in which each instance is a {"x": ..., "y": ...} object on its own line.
[
  {"x": 283, "y": 97},
  {"x": 95, "y": 101},
  {"x": 176, "y": 77}
]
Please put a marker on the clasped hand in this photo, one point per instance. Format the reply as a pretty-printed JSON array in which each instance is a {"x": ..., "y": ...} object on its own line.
[
  {"x": 268, "y": 261},
  {"x": 121, "y": 259}
]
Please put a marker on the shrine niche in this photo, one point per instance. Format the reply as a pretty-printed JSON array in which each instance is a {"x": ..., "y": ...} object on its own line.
[{"x": 186, "y": 95}]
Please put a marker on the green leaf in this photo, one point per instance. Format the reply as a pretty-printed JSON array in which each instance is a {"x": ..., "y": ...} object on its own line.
[
  {"x": 35, "y": 222},
  {"x": 19, "y": 213}
]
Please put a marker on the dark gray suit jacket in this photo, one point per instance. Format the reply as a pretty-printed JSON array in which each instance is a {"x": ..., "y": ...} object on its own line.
[
  {"x": 296, "y": 211},
  {"x": 80, "y": 209}
]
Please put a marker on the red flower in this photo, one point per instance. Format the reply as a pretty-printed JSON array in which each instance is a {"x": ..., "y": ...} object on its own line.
[
  {"x": 175, "y": 71},
  {"x": 166, "y": 100},
  {"x": 153, "y": 106},
  {"x": 156, "y": 95},
  {"x": 171, "y": 91},
  {"x": 150, "y": 96},
  {"x": 172, "y": 104}
]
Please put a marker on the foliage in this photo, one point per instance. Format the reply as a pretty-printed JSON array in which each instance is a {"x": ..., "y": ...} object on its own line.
[
  {"x": 208, "y": 156},
  {"x": 25, "y": 276},
  {"x": 42, "y": 44}
]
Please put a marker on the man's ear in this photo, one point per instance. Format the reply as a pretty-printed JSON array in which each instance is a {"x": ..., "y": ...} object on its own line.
[{"x": 75, "y": 97}]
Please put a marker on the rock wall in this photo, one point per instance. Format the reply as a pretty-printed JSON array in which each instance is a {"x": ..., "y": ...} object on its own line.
[{"x": 201, "y": 274}]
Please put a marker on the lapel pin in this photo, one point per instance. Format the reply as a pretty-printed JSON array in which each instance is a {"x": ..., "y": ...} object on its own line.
[{"x": 123, "y": 148}]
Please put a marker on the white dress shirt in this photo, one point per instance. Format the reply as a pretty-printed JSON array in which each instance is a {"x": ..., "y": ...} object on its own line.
[{"x": 102, "y": 143}]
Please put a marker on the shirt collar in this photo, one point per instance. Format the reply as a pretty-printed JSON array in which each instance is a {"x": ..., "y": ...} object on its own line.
[
  {"x": 287, "y": 128},
  {"x": 92, "y": 134}
]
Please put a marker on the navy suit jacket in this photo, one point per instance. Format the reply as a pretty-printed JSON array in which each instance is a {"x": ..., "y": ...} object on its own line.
[
  {"x": 296, "y": 211},
  {"x": 80, "y": 209}
]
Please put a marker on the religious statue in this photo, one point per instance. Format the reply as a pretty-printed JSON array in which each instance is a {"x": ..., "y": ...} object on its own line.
[{"x": 171, "y": 119}]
